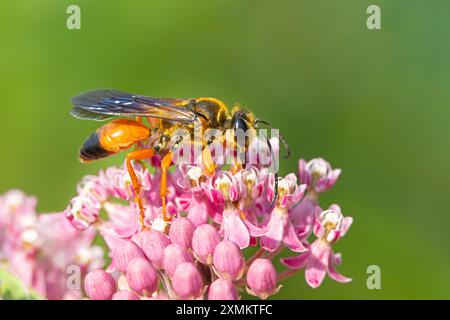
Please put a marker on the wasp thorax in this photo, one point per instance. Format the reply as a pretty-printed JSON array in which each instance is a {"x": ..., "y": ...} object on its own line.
[{"x": 318, "y": 168}]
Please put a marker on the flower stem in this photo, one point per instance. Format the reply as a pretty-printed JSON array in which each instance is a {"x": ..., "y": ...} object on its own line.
[
  {"x": 257, "y": 254},
  {"x": 167, "y": 287},
  {"x": 271, "y": 255},
  {"x": 286, "y": 274}
]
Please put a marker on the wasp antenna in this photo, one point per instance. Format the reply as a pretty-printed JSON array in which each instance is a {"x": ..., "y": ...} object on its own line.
[
  {"x": 281, "y": 136},
  {"x": 276, "y": 176},
  {"x": 286, "y": 147}
]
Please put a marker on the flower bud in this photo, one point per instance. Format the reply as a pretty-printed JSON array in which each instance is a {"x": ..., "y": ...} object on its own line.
[
  {"x": 174, "y": 255},
  {"x": 99, "y": 285},
  {"x": 153, "y": 244},
  {"x": 204, "y": 241},
  {"x": 124, "y": 253},
  {"x": 187, "y": 281},
  {"x": 228, "y": 260},
  {"x": 262, "y": 279},
  {"x": 125, "y": 295},
  {"x": 141, "y": 276},
  {"x": 181, "y": 231},
  {"x": 222, "y": 290}
]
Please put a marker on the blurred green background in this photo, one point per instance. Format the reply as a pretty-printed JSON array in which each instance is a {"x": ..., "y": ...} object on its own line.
[{"x": 374, "y": 103}]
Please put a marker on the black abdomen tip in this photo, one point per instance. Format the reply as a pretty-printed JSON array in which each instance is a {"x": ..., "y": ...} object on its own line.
[{"x": 92, "y": 150}]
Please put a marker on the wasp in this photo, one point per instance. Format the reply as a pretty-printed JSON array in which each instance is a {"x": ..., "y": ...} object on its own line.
[{"x": 126, "y": 128}]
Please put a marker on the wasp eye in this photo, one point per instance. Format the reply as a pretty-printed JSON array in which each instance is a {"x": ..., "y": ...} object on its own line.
[{"x": 240, "y": 124}]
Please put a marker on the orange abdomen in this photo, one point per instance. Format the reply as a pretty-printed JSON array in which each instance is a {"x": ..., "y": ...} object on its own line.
[
  {"x": 121, "y": 134},
  {"x": 113, "y": 137}
]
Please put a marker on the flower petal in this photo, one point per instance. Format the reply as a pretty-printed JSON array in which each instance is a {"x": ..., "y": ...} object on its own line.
[
  {"x": 296, "y": 262},
  {"x": 275, "y": 231},
  {"x": 317, "y": 265},
  {"x": 332, "y": 271},
  {"x": 290, "y": 238},
  {"x": 235, "y": 230}
]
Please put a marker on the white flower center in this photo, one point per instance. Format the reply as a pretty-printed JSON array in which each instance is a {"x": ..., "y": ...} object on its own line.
[
  {"x": 29, "y": 238},
  {"x": 286, "y": 186},
  {"x": 331, "y": 219},
  {"x": 318, "y": 168},
  {"x": 223, "y": 183},
  {"x": 194, "y": 174}
]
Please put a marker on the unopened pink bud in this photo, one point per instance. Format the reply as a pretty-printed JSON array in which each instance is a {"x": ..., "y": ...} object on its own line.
[
  {"x": 204, "y": 241},
  {"x": 222, "y": 290},
  {"x": 262, "y": 279},
  {"x": 99, "y": 285},
  {"x": 181, "y": 231},
  {"x": 153, "y": 244},
  {"x": 125, "y": 295},
  {"x": 228, "y": 260},
  {"x": 187, "y": 281},
  {"x": 124, "y": 253},
  {"x": 141, "y": 276},
  {"x": 174, "y": 255}
]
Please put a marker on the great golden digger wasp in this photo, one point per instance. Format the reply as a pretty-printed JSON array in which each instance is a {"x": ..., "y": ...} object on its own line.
[{"x": 164, "y": 116}]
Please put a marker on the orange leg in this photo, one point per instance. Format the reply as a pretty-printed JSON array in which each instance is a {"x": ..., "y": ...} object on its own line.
[
  {"x": 138, "y": 155},
  {"x": 208, "y": 163},
  {"x": 165, "y": 164}
]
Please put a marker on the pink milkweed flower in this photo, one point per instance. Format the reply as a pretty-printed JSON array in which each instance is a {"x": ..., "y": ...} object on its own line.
[
  {"x": 280, "y": 228},
  {"x": 38, "y": 248},
  {"x": 194, "y": 201},
  {"x": 228, "y": 260},
  {"x": 121, "y": 225},
  {"x": 141, "y": 276},
  {"x": 252, "y": 203},
  {"x": 302, "y": 215},
  {"x": 235, "y": 227},
  {"x": 99, "y": 285},
  {"x": 262, "y": 279},
  {"x": 174, "y": 255},
  {"x": 222, "y": 290},
  {"x": 204, "y": 241},
  {"x": 330, "y": 225},
  {"x": 124, "y": 253},
  {"x": 153, "y": 244},
  {"x": 187, "y": 281},
  {"x": 82, "y": 212},
  {"x": 181, "y": 232},
  {"x": 318, "y": 174}
]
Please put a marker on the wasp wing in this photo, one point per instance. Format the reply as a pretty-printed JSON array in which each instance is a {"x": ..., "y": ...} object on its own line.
[
  {"x": 104, "y": 104},
  {"x": 82, "y": 114}
]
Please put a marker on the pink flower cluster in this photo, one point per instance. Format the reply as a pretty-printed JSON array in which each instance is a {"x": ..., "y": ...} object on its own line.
[
  {"x": 38, "y": 249},
  {"x": 201, "y": 253}
]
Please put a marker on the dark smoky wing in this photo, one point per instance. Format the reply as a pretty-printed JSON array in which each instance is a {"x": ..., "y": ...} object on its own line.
[{"x": 116, "y": 103}]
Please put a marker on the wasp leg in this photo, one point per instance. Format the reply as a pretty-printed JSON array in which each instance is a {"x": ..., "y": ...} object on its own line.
[
  {"x": 138, "y": 155},
  {"x": 209, "y": 167},
  {"x": 139, "y": 144},
  {"x": 165, "y": 164}
]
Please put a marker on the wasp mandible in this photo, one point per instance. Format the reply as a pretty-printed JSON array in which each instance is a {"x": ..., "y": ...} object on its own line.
[{"x": 165, "y": 115}]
